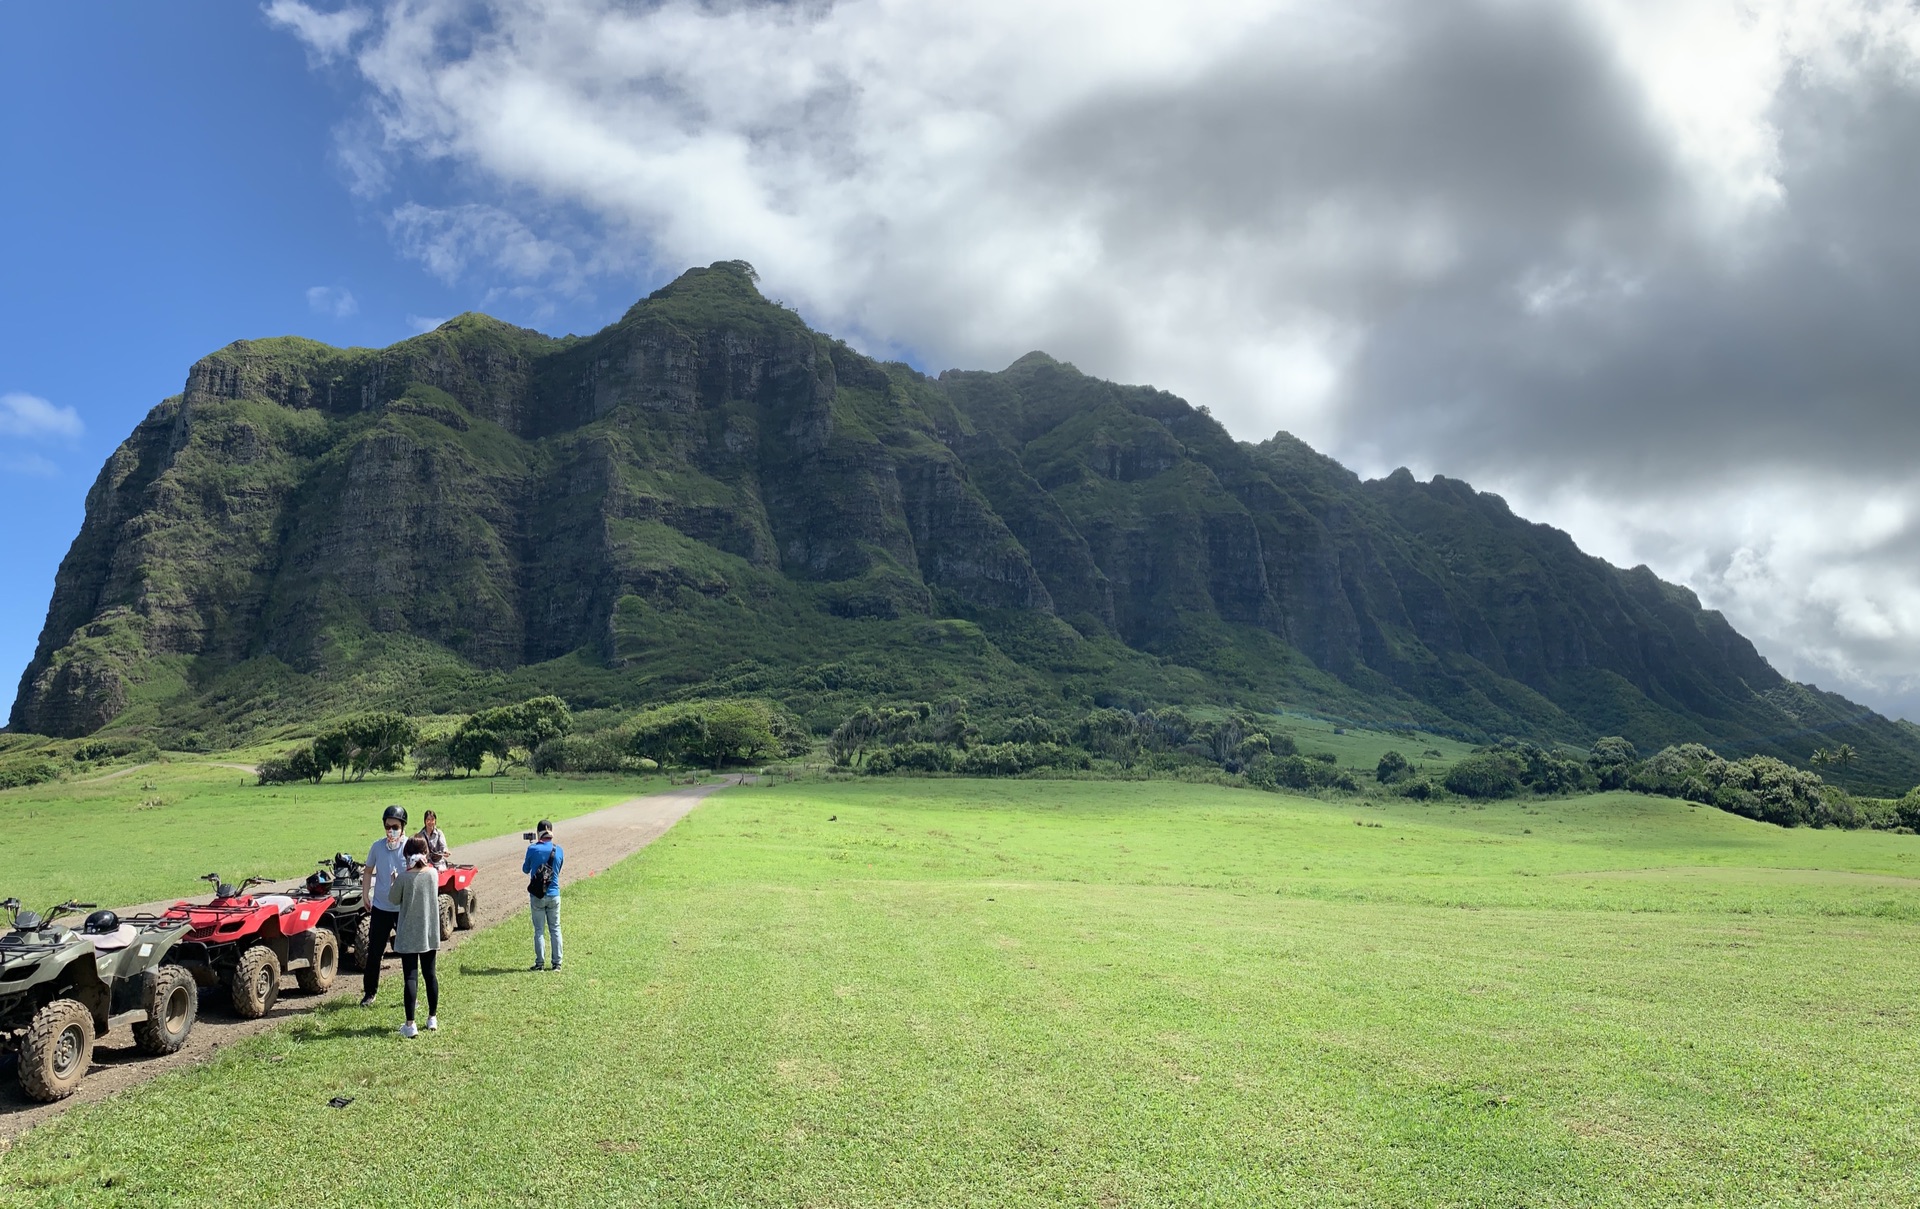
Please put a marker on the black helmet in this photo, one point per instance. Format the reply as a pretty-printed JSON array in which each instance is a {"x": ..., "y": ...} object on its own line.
[
  {"x": 100, "y": 923},
  {"x": 319, "y": 883},
  {"x": 395, "y": 812}
]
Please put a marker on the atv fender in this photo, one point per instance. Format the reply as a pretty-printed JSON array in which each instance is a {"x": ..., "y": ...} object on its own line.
[
  {"x": 81, "y": 981},
  {"x": 296, "y": 951}
]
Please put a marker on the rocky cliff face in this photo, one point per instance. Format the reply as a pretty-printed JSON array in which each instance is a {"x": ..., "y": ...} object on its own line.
[{"x": 708, "y": 496}]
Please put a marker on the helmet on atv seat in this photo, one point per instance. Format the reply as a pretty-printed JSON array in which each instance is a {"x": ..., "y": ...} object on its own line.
[
  {"x": 319, "y": 883},
  {"x": 395, "y": 812},
  {"x": 100, "y": 923}
]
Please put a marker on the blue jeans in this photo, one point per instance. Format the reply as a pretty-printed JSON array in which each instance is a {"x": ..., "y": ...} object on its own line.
[{"x": 546, "y": 915}]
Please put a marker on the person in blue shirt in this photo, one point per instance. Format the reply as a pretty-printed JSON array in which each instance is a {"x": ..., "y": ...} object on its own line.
[{"x": 542, "y": 867}]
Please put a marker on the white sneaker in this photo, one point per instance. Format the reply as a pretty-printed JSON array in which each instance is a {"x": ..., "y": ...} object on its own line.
[
  {"x": 407, "y": 1030},
  {"x": 433, "y": 1024}
]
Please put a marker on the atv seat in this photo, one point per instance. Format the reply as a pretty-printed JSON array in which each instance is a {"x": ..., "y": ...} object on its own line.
[
  {"x": 280, "y": 902},
  {"x": 114, "y": 941}
]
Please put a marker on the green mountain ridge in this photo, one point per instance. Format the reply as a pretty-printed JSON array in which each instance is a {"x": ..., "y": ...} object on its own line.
[{"x": 710, "y": 498}]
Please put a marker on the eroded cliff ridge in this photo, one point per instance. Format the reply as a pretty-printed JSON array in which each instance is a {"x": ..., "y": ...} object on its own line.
[{"x": 708, "y": 497}]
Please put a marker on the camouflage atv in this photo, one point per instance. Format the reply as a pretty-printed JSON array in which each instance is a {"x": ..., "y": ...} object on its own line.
[
  {"x": 350, "y": 920},
  {"x": 60, "y": 989},
  {"x": 339, "y": 880}
]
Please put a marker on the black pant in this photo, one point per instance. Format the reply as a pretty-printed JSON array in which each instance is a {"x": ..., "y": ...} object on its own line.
[
  {"x": 412, "y": 965},
  {"x": 379, "y": 930}
]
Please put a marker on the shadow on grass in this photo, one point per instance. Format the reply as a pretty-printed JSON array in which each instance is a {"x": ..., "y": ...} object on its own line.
[{"x": 492, "y": 971}]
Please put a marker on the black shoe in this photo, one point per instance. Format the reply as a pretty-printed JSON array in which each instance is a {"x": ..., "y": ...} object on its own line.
[
  {"x": 535, "y": 966},
  {"x": 556, "y": 967},
  {"x": 366, "y": 1001}
]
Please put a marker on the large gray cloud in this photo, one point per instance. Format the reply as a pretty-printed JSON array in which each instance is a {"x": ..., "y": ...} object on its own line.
[{"x": 1645, "y": 268}]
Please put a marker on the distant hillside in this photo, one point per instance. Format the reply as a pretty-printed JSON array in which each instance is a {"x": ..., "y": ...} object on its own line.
[{"x": 708, "y": 497}]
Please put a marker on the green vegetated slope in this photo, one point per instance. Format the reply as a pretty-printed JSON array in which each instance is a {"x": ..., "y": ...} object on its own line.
[
  {"x": 708, "y": 498},
  {"x": 1047, "y": 993},
  {"x": 146, "y": 834}
]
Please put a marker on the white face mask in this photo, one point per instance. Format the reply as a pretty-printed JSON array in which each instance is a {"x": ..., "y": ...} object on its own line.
[{"x": 395, "y": 839}]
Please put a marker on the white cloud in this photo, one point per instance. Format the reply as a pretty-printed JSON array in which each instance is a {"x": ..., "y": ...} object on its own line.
[
  {"x": 1819, "y": 572},
  {"x": 1613, "y": 243},
  {"x": 327, "y": 35},
  {"x": 330, "y": 300},
  {"x": 455, "y": 242},
  {"x": 31, "y": 417},
  {"x": 425, "y": 323}
]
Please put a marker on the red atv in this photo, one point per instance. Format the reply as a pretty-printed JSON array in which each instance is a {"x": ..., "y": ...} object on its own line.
[
  {"x": 244, "y": 943},
  {"x": 458, "y": 899}
]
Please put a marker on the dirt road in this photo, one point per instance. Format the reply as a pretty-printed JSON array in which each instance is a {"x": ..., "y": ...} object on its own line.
[{"x": 592, "y": 843}]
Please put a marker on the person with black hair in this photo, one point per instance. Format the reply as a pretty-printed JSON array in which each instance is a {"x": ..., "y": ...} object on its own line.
[
  {"x": 415, "y": 897},
  {"x": 385, "y": 861},
  {"x": 542, "y": 867}
]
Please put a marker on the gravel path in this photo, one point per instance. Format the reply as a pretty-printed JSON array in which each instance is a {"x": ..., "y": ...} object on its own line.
[{"x": 592, "y": 843}]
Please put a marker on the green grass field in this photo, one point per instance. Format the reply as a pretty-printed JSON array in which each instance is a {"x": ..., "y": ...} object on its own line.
[
  {"x": 1360, "y": 748},
  {"x": 146, "y": 834},
  {"x": 1074, "y": 993}
]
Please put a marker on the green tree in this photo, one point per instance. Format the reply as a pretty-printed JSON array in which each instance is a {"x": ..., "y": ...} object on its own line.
[
  {"x": 1485, "y": 774},
  {"x": 1393, "y": 767},
  {"x": 1612, "y": 760},
  {"x": 513, "y": 732}
]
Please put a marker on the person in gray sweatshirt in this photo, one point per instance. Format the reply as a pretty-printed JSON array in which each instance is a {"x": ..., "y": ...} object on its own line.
[{"x": 415, "y": 898}]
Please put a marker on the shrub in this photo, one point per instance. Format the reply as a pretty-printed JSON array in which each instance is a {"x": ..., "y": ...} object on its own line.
[
  {"x": 912, "y": 757},
  {"x": 376, "y": 742},
  {"x": 1420, "y": 789},
  {"x": 713, "y": 734},
  {"x": 1393, "y": 767},
  {"x": 1612, "y": 760},
  {"x": 297, "y": 765},
  {"x": 32, "y": 770},
  {"x": 604, "y": 752},
  {"x": 1297, "y": 772},
  {"x": 1758, "y": 787},
  {"x": 1485, "y": 774}
]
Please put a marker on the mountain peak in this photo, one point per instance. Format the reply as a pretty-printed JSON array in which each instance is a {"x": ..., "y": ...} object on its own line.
[{"x": 710, "y": 498}]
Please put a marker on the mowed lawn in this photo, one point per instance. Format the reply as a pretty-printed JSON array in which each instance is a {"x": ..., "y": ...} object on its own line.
[
  {"x": 147, "y": 834},
  {"x": 1070, "y": 993}
]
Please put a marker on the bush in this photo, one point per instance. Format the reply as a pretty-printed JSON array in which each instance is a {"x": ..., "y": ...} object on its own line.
[
  {"x": 604, "y": 752},
  {"x": 713, "y": 734},
  {"x": 32, "y": 770},
  {"x": 1420, "y": 789},
  {"x": 1298, "y": 772},
  {"x": 1485, "y": 774},
  {"x": 1393, "y": 767},
  {"x": 1612, "y": 760},
  {"x": 911, "y": 757},
  {"x": 296, "y": 765},
  {"x": 1758, "y": 787},
  {"x": 376, "y": 742},
  {"x": 93, "y": 750}
]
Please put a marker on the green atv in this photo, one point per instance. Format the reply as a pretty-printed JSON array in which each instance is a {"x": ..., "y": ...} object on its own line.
[{"x": 61, "y": 988}]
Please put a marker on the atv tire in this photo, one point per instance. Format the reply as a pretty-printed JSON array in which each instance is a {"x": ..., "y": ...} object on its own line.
[
  {"x": 317, "y": 978},
  {"x": 173, "y": 1001},
  {"x": 362, "y": 940},
  {"x": 447, "y": 916},
  {"x": 256, "y": 982},
  {"x": 56, "y": 1050},
  {"x": 463, "y": 916}
]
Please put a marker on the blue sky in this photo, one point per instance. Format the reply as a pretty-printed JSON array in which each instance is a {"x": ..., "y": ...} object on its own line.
[{"x": 172, "y": 184}]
